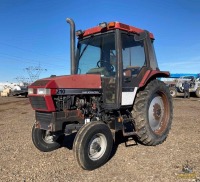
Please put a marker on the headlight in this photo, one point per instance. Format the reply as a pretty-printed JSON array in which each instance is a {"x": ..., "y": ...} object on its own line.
[
  {"x": 30, "y": 90},
  {"x": 43, "y": 91}
]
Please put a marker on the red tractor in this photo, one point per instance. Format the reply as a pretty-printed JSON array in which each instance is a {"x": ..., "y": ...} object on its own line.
[{"x": 113, "y": 87}]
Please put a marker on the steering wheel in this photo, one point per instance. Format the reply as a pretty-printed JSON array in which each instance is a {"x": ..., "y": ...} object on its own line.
[{"x": 102, "y": 63}]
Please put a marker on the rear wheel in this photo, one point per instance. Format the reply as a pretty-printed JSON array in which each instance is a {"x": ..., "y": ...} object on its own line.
[
  {"x": 44, "y": 140},
  {"x": 173, "y": 91},
  {"x": 198, "y": 92},
  {"x": 152, "y": 113},
  {"x": 93, "y": 145}
]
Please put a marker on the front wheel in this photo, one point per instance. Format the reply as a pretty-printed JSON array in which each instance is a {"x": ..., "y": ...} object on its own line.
[
  {"x": 93, "y": 145},
  {"x": 152, "y": 113},
  {"x": 44, "y": 140},
  {"x": 198, "y": 92}
]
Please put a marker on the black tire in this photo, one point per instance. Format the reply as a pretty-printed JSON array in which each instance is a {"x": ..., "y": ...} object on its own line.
[
  {"x": 173, "y": 91},
  {"x": 198, "y": 92},
  {"x": 93, "y": 145},
  {"x": 153, "y": 113},
  {"x": 26, "y": 95},
  {"x": 44, "y": 140}
]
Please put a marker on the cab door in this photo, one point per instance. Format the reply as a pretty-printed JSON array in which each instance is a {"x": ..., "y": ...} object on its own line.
[{"x": 134, "y": 67}]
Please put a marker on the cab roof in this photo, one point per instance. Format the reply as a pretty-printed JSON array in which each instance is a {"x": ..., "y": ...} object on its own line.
[{"x": 103, "y": 27}]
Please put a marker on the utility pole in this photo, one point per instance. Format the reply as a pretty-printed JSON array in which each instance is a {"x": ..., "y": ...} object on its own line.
[
  {"x": 34, "y": 72},
  {"x": 22, "y": 79}
]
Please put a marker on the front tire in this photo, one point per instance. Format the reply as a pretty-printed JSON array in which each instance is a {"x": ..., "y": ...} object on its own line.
[
  {"x": 44, "y": 140},
  {"x": 152, "y": 113},
  {"x": 93, "y": 145},
  {"x": 198, "y": 92}
]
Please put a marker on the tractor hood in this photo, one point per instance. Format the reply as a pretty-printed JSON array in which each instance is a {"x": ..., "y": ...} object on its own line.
[{"x": 88, "y": 81}]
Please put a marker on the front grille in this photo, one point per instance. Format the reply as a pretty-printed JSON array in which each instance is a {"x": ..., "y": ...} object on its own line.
[
  {"x": 38, "y": 102},
  {"x": 43, "y": 116},
  {"x": 44, "y": 120}
]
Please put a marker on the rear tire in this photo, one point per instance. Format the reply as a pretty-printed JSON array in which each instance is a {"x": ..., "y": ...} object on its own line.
[
  {"x": 152, "y": 113},
  {"x": 44, "y": 140},
  {"x": 93, "y": 145},
  {"x": 198, "y": 92},
  {"x": 173, "y": 91},
  {"x": 26, "y": 95}
]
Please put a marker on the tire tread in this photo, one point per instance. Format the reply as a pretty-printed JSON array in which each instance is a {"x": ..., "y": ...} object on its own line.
[{"x": 143, "y": 130}]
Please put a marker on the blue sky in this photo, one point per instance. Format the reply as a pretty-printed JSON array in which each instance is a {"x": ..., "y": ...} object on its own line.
[{"x": 35, "y": 33}]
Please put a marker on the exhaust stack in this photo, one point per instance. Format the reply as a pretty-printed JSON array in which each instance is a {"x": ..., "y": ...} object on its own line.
[{"x": 72, "y": 44}]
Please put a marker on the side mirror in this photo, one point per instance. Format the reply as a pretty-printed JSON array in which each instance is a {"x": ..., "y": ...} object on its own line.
[{"x": 141, "y": 36}]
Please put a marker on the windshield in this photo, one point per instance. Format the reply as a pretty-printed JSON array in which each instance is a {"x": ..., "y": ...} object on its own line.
[{"x": 97, "y": 55}]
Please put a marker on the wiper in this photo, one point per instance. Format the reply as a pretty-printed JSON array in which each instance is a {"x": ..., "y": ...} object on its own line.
[{"x": 85, "y": 47}]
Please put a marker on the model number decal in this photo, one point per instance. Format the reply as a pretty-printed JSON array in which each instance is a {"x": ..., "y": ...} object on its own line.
[
  {"x": 75, "y": 91},
  {"x": 60, "y": 91}
]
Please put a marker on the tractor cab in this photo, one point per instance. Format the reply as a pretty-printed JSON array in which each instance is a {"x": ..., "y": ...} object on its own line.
[{"x": 122, "y": 55}]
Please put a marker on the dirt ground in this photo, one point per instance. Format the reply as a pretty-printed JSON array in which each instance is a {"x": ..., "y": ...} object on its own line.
[{"x": 21, "y": 161}]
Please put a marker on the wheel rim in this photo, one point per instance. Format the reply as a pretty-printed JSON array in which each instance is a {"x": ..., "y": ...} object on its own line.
[
  {"x": 172, "y": 92},
  {"x": 47, "y": 137},
  {"x": 158, "y": 113},
  {"x": 97, "y": 146}
]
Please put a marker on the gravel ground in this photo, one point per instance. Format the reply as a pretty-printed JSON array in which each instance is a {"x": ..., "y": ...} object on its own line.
[{"x": 21, "y": 161}]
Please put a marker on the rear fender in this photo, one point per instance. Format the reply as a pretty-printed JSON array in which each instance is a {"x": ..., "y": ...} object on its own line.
[{"x": 153, "y": 74}]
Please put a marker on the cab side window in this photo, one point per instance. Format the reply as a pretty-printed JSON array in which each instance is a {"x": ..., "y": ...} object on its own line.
[{"x": 133, "y": 54}]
